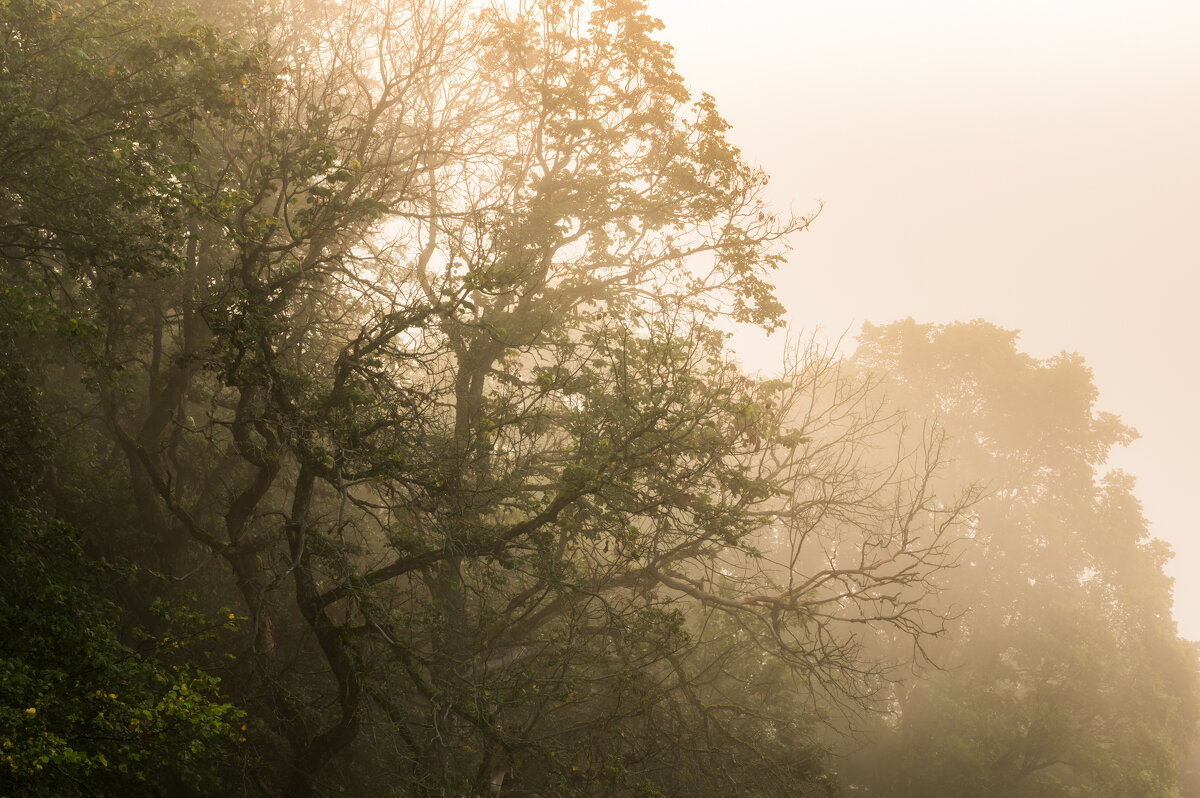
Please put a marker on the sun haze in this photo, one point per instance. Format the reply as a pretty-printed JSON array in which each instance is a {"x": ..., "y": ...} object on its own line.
[{"x": 1030, "y": 163}]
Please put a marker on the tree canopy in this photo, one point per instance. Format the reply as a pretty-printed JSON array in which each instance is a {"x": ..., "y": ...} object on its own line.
[
  {"x": 1064, "y": 675},
  {"x": 371, "y": 427}
]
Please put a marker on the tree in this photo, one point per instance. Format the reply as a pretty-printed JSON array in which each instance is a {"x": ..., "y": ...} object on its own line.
[
  {"x": 427, "y": 360},
  {"x": 1065, "y": 675},
  {"x": 90, "y": 99}
]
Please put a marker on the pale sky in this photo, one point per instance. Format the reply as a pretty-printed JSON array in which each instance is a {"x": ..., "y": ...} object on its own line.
[{"x": 1034, "y": 164}]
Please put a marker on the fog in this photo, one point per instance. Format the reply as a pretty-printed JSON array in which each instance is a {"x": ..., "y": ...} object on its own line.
[
  {"x": 1030, "y": 163},
  {"x": 453, "y": 398}
]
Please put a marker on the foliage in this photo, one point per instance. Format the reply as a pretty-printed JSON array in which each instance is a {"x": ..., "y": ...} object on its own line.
[
  {"x": 82, "y": 713},
  {"x": 94, "y": 125}
]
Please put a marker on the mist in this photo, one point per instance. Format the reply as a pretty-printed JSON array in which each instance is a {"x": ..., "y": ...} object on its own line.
[{"x": 607, "y": 398}]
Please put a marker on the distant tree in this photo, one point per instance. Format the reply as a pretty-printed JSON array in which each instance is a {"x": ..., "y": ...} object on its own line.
[{"x": 1064, "y": 675}]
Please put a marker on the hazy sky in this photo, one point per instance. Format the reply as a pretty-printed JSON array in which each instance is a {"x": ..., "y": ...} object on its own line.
[{"x": 1034, "y": 164}]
